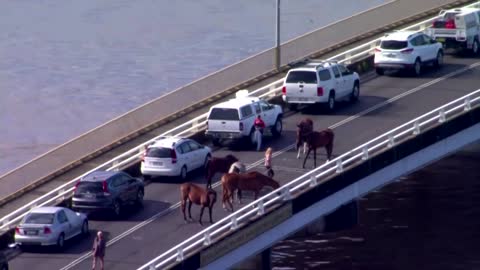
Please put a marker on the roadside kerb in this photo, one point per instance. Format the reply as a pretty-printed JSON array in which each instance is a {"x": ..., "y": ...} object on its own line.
[
  {"x": 86, "y": 147},
  {"x": 419, "y": 126}
]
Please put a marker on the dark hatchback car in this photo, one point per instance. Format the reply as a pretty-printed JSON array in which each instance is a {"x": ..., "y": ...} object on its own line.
[{"x": 107, "y": 190}]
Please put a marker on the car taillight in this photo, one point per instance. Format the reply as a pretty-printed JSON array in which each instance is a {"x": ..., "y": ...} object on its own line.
[
  {"x": 450, "y": 24},
  {"x": 319, "y": 91},
  {"x": 284, "y": 90},
  {"x": 240, "y": 126},
  {"x": 105, "y": 188},
  {"x": 46, "y": 230},
  {"x": 377, "y": 50},
  {"x": 407, "y": 51},
  {"x": 17, "y": 230},
  {"x": 173, "y": 155}
]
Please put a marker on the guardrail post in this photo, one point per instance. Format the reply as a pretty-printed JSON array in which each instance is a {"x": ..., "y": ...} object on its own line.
[
  {"x": 61, "y": 193},
  {"x": 373, "y": 45},
  {"x": 195, "y": 125},
  {"x": 234, "y": 223},
  {"x": 391, "y": 140},
  {"x": 365, "y": 153},
  {"x": 467, "y": 104},
  {"x": 347, "y": 56},
  {"x": 151, "y": 267},
  {"x": 313, "y": 180},
  {"x": 272, "y": 91},
  {"x": 5, "y": 222},
  {"x": 339, "y": 166},
  {"x": 115, "y": 165},
  {"x": 261, "y": 208},
  {"x": 179, "y": 254},
  {"x": 286, "y": 195},
  {"x": 441, "y": 117},
  {"x": 416, "y": 128},
  {"x": 33, "y": 206},
  {"x": 207, "y": 239}
]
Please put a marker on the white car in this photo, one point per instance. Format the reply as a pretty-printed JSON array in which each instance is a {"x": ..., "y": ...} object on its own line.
[
  {"x": 173, "y": 156},
  {"x": 324, "y": 82},
  {"x": 45, "y": 226},
  {"x": 407, "y": 50}
]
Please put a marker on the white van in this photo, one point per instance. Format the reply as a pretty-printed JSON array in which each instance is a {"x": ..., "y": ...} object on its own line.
[{"x": 457, "y": 28}]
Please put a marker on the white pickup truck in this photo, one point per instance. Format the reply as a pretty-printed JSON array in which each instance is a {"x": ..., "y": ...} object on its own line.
[
  {"x": 457, "y": 29},
  {"x": 233, "y": 119}
]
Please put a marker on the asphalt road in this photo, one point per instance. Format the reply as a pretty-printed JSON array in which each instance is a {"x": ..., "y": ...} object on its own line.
[{"x": 132, "y": 248}]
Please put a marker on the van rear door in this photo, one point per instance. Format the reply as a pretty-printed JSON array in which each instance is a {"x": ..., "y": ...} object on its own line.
[
  {"x": 223, "y": 120},
  {"x": 300, "y": 86}
]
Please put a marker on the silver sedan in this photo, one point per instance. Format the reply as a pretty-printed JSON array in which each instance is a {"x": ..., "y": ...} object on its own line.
[{"x": 47, "y": 226}]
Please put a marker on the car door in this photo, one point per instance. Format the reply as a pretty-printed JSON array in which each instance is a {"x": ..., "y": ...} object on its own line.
[
  {"x": 75, "y": 220},
  {"x": 339, "y": 84},
  {"x": 186, "y": 156},
  {"x": 430, "y": 47},
  {"x": 197, "y": 154},
  {"x": 348, "y": 80},
  {"x": 130, "y": 186},
  {"x": 420, "y": 47},
  {"x": 267, "y": 113},
  {"x": 119, "y": 187},
  {"x": 64, "y": 224}
]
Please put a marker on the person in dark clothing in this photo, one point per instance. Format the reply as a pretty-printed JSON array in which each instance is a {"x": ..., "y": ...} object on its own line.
[{"x": 99, "y": 246}]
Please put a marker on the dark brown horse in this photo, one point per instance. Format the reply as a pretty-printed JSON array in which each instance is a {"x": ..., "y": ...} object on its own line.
[
  {"x": 251, "y": 181},
  {"x": 318, "y": 139},
  {"x": 192, "y": 193},
  {"x": 304, "y": 128},
  {"x": 219, "y": 164}
]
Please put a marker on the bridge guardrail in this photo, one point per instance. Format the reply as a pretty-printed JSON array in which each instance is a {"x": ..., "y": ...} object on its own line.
[
  {"x": 195, "y": 125},
  {"x": 319, "y": 175}
]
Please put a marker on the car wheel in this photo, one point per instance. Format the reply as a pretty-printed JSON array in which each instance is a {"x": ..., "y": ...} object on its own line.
[
  {"x": 475, "y": 47},
  {"x": 85, "y": 230},
  {"x": 183, "y": 173},
  {"x": 61, "y": 241},
  {"x": 216, "y": 142},
  {"x": 331, "y": 102},
  {"x": 117, "y": 208},
  {"x": 139, "y": 197},
  {"x": 417, "y": 67},
  {"x": 439, "y": 60},
  {"x": 380, "y": 71},
  {"x": 355, "y": 93},
  {"x": 277, "y": 128},
  {"x": 293, "y": 107},
  {"x": 147, "y": 177}
]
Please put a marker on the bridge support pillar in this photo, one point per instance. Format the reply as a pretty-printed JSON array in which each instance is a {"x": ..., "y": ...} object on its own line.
[{"x": 259, "y": 261}]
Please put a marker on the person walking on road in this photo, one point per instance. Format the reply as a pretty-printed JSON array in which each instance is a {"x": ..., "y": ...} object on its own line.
[
  {"x": 259, "y": 126},
  {"x": 99, "y": 246},
  {"x": 268, "y": 162}
]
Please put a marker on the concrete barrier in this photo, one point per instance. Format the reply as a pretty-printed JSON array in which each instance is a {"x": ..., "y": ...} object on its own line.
[{"x": 208, "y": 89}]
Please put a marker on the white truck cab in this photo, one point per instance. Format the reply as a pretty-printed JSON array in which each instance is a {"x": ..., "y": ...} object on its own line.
[
  {"x": 233, "y": 119},
  {"x": 458, "y": 28}
]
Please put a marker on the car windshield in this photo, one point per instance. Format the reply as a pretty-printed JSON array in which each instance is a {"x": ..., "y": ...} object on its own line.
[
  {"x": 89, "y": 187},
  {"x": 302, "y": 76},
  {"x": 39, "y": 218},
  {"x": 393, "y": 44},
  {"x": 159, "y": 152},
  {"x": 224, "y": 114}
]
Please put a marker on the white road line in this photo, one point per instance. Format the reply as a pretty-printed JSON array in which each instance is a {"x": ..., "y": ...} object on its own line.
[{"x": 281, "y": 151}]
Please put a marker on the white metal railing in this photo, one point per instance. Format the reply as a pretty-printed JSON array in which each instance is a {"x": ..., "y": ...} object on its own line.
[
  {"x": 195, "y": 125},
  {"x": 360, "y": 154}
]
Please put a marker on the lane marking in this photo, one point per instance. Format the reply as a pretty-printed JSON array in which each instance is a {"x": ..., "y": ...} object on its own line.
[{"x": 275, "y": 154}]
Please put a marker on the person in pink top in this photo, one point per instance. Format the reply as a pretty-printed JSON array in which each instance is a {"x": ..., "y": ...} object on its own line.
[
  {"x": 259, "y": 126},
  {"x": 268, "y": 162}
]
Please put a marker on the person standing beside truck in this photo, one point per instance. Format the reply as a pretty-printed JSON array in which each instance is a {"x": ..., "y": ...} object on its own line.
[{"x": 259, "y": 127}]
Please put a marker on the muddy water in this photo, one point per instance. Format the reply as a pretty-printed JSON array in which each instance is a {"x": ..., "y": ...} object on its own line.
[{"x": 427, "y": 220}]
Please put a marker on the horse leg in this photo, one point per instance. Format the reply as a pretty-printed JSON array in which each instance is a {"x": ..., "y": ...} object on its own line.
[
  {"x": 305, "y": 160},
  {"x": 329, "y": 148},
  {"x": 190, "y": 209},
  {"x": 298, "y": 152},
  {"x": 201, "y": 214},
  {"x": 304, "y": 147},
  {"x": 183, "y": 210},
  {"x": 239, "y": 196},
  {"x": 314, "y": 157},
  {"x": 210, "y": 213}
]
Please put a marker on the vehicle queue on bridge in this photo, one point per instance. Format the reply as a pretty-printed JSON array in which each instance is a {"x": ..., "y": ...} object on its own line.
[{"x": 176, "y": 148}]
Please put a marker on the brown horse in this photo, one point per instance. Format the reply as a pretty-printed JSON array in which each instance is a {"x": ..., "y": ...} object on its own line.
[
  {"x": 219, "y": 164},
  {"x": 304, "y": 128},
  {"x": 318, "y": 139},
  {"x": 192, "y": 193},
  {"x": 252, "y": 181}
]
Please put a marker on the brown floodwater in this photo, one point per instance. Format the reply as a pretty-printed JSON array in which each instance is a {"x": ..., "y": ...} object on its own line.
[{"x": 427, "y": 220}]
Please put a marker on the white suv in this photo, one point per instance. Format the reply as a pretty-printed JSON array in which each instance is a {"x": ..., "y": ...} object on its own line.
[
  {"x": 174, "y": 156},
  {"x": 233, "y": 119},
  {"x": 322, "y": 82},
  {"x": 407, "y": 50}
]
